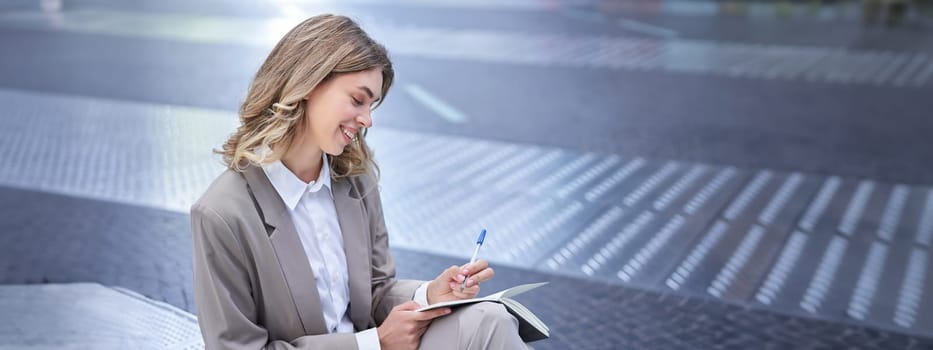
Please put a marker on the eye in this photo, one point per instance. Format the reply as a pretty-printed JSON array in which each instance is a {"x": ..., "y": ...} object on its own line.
[{"x": 357, "y": 102}]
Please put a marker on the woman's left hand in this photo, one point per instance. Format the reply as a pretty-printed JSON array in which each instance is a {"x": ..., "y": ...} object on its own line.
[{"x": 446, "y": 286}]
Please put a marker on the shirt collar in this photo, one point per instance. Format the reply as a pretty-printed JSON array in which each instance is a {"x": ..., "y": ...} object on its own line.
[{"x": 290, "y": 187}]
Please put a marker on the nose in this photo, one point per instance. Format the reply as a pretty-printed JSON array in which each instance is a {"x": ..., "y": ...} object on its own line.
[{"x": 365, "y": 120}]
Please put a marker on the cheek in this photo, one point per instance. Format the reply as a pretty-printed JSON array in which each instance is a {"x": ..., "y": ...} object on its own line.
[
  {"x": 325, "y": 118},
  {"x": 349, "y": 111}
]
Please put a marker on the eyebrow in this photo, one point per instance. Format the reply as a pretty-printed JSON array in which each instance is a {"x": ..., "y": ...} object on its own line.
[{"x": 368, "y": 92}]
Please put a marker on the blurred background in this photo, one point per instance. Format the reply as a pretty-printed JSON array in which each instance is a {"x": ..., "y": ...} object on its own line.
[{"x": 686, "y": 173}]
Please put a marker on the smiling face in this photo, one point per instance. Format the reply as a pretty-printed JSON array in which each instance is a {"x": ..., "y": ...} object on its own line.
[{"x": 338, "y": 109}]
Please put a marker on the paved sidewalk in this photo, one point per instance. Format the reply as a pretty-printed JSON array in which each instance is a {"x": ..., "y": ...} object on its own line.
[
  {"x": 813, "y": 244},
  {"x": 90, "y": 316},
  {"x": 59, "y": 239}
]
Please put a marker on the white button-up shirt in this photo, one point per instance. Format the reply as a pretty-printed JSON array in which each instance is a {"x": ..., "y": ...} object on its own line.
[{"x": 311, "y": 206}]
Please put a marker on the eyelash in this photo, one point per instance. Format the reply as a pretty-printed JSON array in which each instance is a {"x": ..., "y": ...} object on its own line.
[{"x": 357, "y": 102}]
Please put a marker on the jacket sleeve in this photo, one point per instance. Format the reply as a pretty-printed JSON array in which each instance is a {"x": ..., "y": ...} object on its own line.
[
  {"x": 387, "y": 291},
  {"x": 223, "y": 294}
]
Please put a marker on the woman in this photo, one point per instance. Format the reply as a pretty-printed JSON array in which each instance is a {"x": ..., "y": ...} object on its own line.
[{"x": 290, "y": 245}]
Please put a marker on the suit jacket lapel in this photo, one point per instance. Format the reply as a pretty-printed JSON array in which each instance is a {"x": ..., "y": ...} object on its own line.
[
  {"x": 356, "y": 247},
  {"x": 289, "y": 250}
]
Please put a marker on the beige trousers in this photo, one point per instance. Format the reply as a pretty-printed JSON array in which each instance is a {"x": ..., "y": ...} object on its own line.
[{"x": 479, "y": 326}]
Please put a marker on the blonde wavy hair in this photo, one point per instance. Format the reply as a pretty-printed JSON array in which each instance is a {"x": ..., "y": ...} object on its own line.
[{"x": 314, "y": 51}]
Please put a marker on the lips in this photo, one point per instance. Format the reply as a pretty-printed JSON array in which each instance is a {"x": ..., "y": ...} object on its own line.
[{"x": 348, "y": 134}]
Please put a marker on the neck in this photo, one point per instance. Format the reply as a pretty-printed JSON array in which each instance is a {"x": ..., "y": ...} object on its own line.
[{"x": 304, "y": 162}]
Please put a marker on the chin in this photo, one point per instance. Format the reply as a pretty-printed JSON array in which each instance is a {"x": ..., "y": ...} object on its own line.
[{"x": 334, "y": 151}]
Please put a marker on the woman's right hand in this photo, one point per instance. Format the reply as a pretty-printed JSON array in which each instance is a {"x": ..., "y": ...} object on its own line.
[{"x": 404, "y": 326}]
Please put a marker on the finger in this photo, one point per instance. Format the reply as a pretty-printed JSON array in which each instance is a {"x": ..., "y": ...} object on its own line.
[
  {"x": 471, "y": 291},
  {"x": 478, "y": 265},
  {"x": 451, "y": 274},
  {"x": 407, "y": 306},
  {"x": 420, "y": 332},
  {"x": 423, "y": 324},
  {"x": 481, "y": 276},
  {"x": 431, "y": 314},
  {"x": 467, "y": 293},
  {"x": 421, "y": 328}
]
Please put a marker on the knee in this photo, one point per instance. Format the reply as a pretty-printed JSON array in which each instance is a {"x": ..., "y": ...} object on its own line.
[
  {"x": 489, "y": 325},
  {"x": 489, "y": 313}
]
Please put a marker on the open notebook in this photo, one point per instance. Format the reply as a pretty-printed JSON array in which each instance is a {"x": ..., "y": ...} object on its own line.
[{"x": 530, "y": 327}]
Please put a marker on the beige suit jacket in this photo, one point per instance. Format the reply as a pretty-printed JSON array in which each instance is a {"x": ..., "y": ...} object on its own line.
[{"x": 253, "y": 284}]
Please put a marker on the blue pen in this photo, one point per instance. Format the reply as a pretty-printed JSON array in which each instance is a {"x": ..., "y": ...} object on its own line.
[{"x": 479, "y": 243}]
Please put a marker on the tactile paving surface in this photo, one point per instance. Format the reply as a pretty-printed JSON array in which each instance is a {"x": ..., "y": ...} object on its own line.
[
  {"x": 91, "y": 316},
  {"x": 839, "y": 248}
]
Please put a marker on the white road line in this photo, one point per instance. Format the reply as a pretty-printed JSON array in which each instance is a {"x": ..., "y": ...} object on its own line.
[
  {"x": 923, "y": 77},
  {"x": 648, "y": 29},
  {"x": 443, "y": 109}
]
